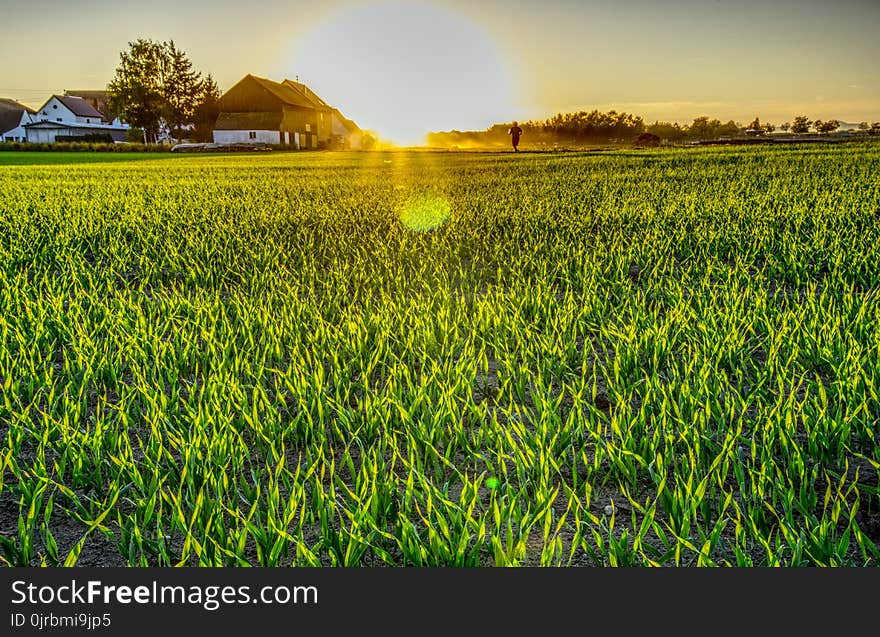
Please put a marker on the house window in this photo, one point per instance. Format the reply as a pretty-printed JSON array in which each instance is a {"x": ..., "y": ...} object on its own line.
[
  {"x": 308, "y": 128},
  {"x": 54, "y": 106},
  {"x": 57, "y": 119},
  {"x": 252, "y": 134}
]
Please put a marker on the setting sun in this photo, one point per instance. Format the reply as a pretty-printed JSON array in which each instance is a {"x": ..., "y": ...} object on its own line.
[{"x": 405, "y": 69}]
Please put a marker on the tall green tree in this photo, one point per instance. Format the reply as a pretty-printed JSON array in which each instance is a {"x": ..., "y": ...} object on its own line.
[
  {"x": 156, "y": 88},
  {"x": 181, "y": 88},
  {"x": 136, "y": 92},
  {"x": 207, "y": 110}
]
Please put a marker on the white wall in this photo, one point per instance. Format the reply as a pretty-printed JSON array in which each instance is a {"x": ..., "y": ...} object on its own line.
[
  {"x": 47, "y": 135},
  {"x": 44, "y": 136},
  {"x": 233, "y": 136},
  {"x": 19, "y": 133}
]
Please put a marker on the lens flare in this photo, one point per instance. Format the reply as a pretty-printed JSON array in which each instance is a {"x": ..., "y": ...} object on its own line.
[{"x": 425, "y": 212}]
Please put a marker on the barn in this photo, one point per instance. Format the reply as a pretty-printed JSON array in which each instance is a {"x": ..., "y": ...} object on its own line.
[
  {"x": 334, "y": 129},
  {"x": 349, "y": 135},
  {"x": 257, "y": 109}
]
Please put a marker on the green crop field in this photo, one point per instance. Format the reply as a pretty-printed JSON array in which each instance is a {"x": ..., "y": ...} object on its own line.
[{"x": 660, "y": 357}]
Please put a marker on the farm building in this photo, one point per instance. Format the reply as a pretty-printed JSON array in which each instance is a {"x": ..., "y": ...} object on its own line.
[
  {"x": 345, "y": 130},
  {"x": 13, "y": 117},
  {"x": 67, "y": 116},
  {"x": 261, "y": 110},
  {"x": 97, "y": 99}
]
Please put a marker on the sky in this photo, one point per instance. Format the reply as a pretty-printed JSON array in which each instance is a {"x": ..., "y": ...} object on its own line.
[{"x": 406, "y": 68}]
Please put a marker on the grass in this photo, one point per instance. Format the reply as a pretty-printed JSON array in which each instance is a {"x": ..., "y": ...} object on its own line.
[
  {"x": 40, "y": 158},
  {"x": 636, "y": 358}
]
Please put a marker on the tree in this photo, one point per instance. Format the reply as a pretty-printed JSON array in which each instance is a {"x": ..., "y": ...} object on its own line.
[
  {"x": 863, "y": 126},
  {"x": 801, "y": 124},
  {"x": 769, "y": 128},
  {"x": 755, "y": 125},
  {"x": 207, "y": 111},
  {"x": 875, "y": 129},
  {"x": 785, "y": 126},
  {"x": 136, "y": 89},
  {"x": 155, "y": 88},
  {"x": 729, "y": 129},
  {"x": 671, "y": 131},
  {"x": 826, "y": 127},
  {"x": 182, "y": 89}
]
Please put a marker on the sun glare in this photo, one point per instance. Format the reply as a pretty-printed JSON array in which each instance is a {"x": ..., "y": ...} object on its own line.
[{"x": 405, "y": 69}]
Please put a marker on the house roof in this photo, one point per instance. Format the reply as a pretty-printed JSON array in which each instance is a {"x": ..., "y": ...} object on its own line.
[
  {"x": 78, "y": 106},
  {"x": 249, "y": 121},
  {"x": 286, "y": 94},
  {"x": 6, "y": 103},
  {"x": 308, "y": 93},
  {"x": 350, "y": 126},
  {"x": 10, "y": 114},
  {"x": 97, "y": 98},
  {"x": 290, "y": 93}
]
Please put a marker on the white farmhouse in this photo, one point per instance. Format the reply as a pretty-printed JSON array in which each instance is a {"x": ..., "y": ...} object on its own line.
[
  {"x": 68, "y": 116},
  {"x": 13, "y": 117}
]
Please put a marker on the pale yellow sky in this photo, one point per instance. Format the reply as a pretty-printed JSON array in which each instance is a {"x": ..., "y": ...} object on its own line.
[{"x": 442, "y": 64}]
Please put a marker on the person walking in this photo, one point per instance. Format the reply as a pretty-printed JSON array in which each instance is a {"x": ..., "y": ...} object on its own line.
[{"x": 515, "y": 131}]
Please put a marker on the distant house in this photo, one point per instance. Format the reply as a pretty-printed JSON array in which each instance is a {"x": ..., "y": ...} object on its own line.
[
  {"x": 13, "y": 117},
  {"x": 99, "y": 100},
  {"x": 260, "y": 110},
  {"x": 67, "y": 116}
]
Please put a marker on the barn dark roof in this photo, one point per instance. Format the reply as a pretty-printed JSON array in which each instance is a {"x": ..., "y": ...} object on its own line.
[
  {"x": 316, "y": 100},
  {"x": 78, "y": 106},
  {"x": 99, "y": 99},
  {"x": 350, "y": 126},
  {"x": 286, "y": 94},
  {"x": 6, "y": 103},
  {"x": 249, "y": 121},
  {"x": 10, "y": 114},
  {"x": 308, "y": 93}
]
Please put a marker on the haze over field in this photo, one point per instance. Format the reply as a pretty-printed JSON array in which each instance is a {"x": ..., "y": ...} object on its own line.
[{"x": 404, "y": 69}]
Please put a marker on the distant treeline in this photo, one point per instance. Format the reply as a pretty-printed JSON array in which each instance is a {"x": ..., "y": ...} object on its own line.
[{"x": 597, "y": 127}]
